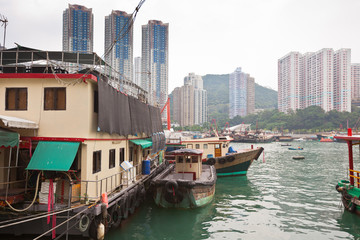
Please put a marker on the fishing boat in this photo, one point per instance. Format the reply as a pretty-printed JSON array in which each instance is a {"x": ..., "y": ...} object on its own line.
[
  {"x": 77, "y": 150},
  {"x": 350, "y": 188},
  {"x": 297, "y": 148},
  {"x": 298, "y": 157},
  {"x": 218, "y": 152},
  {"x": 186, "y": 183}
]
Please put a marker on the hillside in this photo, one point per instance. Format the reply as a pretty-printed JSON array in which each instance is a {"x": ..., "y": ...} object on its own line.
[{"x": 217, "y": 87}]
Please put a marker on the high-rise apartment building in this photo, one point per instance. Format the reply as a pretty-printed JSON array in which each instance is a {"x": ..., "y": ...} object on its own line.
[
  {"x": 342, "y": 80},
  {"x": 137, "y": 71},
  {"x": 321, "y": 78},
  {"x": 119, "y": 43},
  {"x": 78, "y": 29},
  {"x": 190, "y": 102},
  {"x": 241, "y": 94},
  {"x": 154, "y": 61},
  {"x": 355, "y": 82}
]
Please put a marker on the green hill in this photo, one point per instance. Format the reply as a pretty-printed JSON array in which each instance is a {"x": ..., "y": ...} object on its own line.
[{"x": 217, "y": 87}]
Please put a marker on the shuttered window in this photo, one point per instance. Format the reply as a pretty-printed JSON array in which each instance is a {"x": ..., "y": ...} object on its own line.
[
  {"x": 16, "y": 99},
  {"x": 55, "y": 99}
]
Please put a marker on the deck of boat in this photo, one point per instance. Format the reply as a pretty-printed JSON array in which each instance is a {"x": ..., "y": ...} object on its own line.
[{"x": 206, "y": 175}]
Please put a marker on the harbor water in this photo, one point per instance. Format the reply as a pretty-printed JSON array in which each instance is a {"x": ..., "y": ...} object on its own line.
[{"x": 280, "y": 198}]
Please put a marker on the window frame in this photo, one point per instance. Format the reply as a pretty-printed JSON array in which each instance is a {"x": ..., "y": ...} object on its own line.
[
  {"x": 96, "y": 161},
  {"x": 54, "y": 106},
  {"x": 17, "y": 99},
  {"x": 121, "y": 155},
  {"x": 112, "y": 157}
]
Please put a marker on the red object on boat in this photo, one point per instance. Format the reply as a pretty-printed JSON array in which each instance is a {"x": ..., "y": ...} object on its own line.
[{"x": 326, "y": 140}]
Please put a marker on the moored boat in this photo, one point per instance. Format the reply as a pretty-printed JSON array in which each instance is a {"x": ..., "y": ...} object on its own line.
[
  {"x": 350, "y": 188},
  {"x": 296, "y": 148},
  {"x": 218, "y": 152},
  {"x": 186, "y": 183}
]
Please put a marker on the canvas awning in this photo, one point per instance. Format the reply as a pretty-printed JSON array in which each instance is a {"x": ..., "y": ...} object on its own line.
[
  {"x": 18, "y": 122},
  {"x": 142, "y": 142},
  {"x": 8, "y": 138},
  {"x": 53, "y": 156}
]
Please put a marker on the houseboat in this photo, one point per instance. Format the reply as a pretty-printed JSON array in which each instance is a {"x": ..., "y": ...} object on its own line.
[
  {"x": 218, "y": 152},
  {"x": 78, "y": 147},
  {"x": 186, "y": 183},
  {"x": 350, "y": 188}
]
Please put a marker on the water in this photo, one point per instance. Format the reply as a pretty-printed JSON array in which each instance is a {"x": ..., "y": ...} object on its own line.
[{"x": 280, "y": 198}]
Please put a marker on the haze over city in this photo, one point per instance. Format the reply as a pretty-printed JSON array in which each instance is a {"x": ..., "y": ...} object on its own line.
[{"x": 205, "y": 37}]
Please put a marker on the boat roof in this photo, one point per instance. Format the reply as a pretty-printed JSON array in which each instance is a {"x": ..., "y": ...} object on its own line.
[
  {"x": 186, "y": 151},
  {"x": 211, "y": 139},
  {"x": 348, "y": 138}
]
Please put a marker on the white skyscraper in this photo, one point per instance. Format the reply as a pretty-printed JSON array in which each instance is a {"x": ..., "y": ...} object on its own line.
[
  {"x": 241, "y": 94},
  {"x": 321, "y": 78}
]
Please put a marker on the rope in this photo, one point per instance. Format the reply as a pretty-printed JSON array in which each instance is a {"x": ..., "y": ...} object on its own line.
[{"x": 32, "y": 203}]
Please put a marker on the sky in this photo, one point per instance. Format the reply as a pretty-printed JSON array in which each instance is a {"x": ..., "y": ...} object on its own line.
[{"x": 205, "y": 36}]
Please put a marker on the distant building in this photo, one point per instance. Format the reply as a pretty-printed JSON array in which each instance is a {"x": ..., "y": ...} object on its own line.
[
  {"x": 119, "y": 44},
  {"x": 78, "y": 29},
  {"x": 137, "y": 71},
  {"x": 154, "y": 61},
  {"x": 322, "y": 78},
  {"x": 241, "y": 94},
  {"x": 355, "y": 82},
  {"x": 190, "y": 102}
]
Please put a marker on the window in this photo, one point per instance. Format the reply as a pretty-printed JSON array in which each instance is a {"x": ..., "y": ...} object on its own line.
[
  {"x": 55, "y": 99},
  {"x": 16, "y": 99},
  {"x": 111, "y": 158},
  {"x": 96, "y": 102},
  {"x": 96, "y": 161},
  {"x": 197, "y": 146},
  {"x": 189, "y": 146},
  {"x": 122, "y": 155}
]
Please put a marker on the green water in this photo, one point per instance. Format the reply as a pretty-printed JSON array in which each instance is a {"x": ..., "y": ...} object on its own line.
[{"x": 280, "y": 198}]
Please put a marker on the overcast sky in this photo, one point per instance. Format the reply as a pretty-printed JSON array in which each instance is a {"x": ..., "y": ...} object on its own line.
[{"x": 205, "y": 36}]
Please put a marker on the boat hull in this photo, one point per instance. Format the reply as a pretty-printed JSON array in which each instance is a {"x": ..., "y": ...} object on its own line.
[
  {"x": 235, "y": 164},
  {"x": 187, "y": 194},
  {"x": 349, "y": 196}
]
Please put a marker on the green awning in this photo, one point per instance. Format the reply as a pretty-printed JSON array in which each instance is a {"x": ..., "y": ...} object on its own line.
[
  {"x": 53, "y": 156},
  {"x": 142, "y": 142},
  {"x": 8, "y": 138}
]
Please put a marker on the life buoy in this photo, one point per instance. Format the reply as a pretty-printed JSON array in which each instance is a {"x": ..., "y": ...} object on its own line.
[
  {"x": 222, "y": 160},
  {"x": 115, "y": 216},
  {"x": 171, "y": 186},
  {"x": 211, "y": 161},
  {"x": 230, "y": 158},
  {"x": 84, "y": 223}
]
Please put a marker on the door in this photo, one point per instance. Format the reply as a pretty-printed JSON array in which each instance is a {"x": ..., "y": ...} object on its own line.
[{"x": 217, "y": 150}]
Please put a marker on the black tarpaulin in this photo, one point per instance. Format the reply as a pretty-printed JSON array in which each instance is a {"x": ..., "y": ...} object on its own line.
[
  {"x": 125, "y": 115},
  {"x": 114, "y": 112},
  {"x": 156, "y": 125},
  {"x": 140, "y": 117}
]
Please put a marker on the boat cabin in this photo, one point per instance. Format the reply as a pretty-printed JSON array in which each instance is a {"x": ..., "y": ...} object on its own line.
[{"x": 188, "y": 161}]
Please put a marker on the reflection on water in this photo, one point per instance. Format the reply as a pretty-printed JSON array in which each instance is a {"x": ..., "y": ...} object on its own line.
[{"x": 280, "y": 198}]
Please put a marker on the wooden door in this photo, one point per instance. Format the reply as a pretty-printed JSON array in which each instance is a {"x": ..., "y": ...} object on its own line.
[{"x": 217, "y": 150}]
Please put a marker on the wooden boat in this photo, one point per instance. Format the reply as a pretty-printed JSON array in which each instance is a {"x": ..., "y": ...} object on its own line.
[
  {"x": 350, "y": 188},
  {"x": 298, "y": 157},
  {"x": 69, "y": 146},
  {"x": 218, "y": 152},
  {"x": 187, "y": 183},
  {"x": 298, "y": 148}
]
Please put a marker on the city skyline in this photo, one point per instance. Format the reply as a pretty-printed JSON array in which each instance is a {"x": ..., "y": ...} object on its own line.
[{"x": 193, "y": 41}]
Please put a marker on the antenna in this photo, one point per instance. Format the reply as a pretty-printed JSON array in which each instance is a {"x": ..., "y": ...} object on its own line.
[{"x": 4, "y": 22}]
